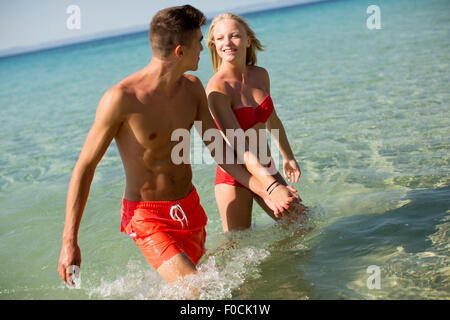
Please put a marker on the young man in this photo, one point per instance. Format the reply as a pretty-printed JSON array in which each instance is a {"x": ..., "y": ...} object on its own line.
[{"x": 160, "y": 208}]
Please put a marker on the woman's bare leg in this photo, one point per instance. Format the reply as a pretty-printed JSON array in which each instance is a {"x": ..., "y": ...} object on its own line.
[{"x": 235, "y": 207}]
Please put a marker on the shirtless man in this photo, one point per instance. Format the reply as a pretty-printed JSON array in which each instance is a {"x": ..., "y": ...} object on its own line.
[{"x": 160, "y": 207}]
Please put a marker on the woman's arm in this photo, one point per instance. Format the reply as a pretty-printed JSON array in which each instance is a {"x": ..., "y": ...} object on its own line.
[{"x": 291, "y": 169}]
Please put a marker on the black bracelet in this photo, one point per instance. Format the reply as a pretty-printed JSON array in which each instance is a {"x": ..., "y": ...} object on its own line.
[
  {"x": 271, "y": 185},
  {"x": 274, "y": 187}
]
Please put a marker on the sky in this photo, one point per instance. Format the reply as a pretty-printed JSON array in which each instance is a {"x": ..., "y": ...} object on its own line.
[{"x": 30, "y": 23}]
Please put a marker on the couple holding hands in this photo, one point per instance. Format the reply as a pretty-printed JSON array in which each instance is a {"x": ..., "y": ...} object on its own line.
[{"x": 161, "y": 209}]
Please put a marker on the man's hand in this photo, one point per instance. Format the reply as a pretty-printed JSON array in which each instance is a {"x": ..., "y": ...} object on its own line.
[
  {"x": 283, "y": 201},
  {"x": 70, "y": 256},
  {"x": 280, "y": 200}
]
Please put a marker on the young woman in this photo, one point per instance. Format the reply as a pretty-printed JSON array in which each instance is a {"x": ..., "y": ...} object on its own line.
[{"x": 239, "y": 98}]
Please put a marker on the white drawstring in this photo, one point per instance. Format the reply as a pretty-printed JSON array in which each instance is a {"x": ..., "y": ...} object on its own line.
[{"x": 174, "y": 214}]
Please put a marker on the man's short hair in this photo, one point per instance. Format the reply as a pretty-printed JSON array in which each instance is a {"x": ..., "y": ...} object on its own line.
[{"x": 173, "y": 26}]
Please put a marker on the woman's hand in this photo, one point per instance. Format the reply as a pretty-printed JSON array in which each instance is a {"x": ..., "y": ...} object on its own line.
[{"x": 291, "y": 170}]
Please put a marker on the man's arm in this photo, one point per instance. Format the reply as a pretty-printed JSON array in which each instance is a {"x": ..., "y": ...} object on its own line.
[{"x": 108, "y": 119}]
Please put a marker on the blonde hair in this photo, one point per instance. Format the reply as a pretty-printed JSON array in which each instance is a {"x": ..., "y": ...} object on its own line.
[{"x": 251, "y": 51}]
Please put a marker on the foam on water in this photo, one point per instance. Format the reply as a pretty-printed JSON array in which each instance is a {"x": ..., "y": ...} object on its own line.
[{"x": 212, "y": 281}]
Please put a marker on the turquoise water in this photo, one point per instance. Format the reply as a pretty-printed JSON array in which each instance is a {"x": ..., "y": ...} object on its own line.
[{"x": 367, "y": 115}]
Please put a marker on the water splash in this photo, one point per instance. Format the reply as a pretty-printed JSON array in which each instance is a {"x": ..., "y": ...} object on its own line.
[
  {"x": 233, "y": 258},
  {"x": 212, "y": 281}
]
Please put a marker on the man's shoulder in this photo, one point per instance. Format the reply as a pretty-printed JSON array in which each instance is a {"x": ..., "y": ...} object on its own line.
[
  {"x": 192, "y": 80},
  {"x": 193, "y": 85},
  {"x": 118, "y": 97}
]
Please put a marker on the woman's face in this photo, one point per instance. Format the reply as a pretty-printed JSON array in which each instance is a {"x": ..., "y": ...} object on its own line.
[{"x": 231, "y": 40}]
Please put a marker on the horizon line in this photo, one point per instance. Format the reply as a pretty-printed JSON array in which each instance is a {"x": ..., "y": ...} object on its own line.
[{"x": 46, "y": 46}]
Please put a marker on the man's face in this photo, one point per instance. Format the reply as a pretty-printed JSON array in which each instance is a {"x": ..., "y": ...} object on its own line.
[{"x": 192, "y": 52}]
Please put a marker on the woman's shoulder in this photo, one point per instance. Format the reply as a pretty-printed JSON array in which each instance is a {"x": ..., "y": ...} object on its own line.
[
  {"x": 218, "y": 82},
  {"x": 258, "y": 71},
  {"x": 260, "y": 75}
]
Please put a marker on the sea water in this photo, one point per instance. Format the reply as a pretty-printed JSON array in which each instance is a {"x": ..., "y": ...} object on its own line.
[{"x": 367, "y": 116}]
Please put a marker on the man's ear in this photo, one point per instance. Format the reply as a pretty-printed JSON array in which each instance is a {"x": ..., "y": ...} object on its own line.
[{"x": 178, "y": 51}]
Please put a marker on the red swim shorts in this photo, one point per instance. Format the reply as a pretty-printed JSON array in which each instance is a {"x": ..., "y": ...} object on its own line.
[{"x": 162, "y": 229}]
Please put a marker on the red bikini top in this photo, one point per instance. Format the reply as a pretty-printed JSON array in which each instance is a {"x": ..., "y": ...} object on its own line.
[{"x": 248, "y": 116}]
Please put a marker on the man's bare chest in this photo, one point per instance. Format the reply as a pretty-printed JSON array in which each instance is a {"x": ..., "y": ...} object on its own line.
[{"x": 153, "y": 125}]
